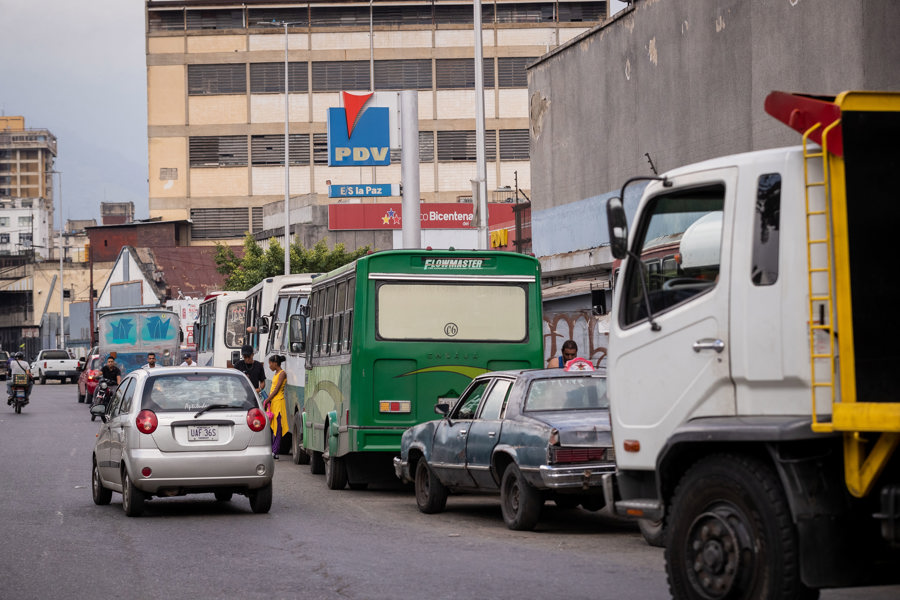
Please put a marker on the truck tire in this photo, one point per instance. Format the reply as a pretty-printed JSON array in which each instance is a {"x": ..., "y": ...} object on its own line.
[
  {"x": 43, "y": 379},
  {"x": 730, "y": 533}
]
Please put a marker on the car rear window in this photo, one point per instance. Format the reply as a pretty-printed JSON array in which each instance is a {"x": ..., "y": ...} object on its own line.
[
  {"x": 55, "y": 355},
  {"x": 192, "y": 392},
  {"x": 567, "y": 393}
]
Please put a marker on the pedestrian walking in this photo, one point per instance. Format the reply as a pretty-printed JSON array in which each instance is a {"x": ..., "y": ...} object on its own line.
[
  {"x": 253, "y": 369},
  {"x": 275, "y": 404},
  {"x": 569, "y": 351}
]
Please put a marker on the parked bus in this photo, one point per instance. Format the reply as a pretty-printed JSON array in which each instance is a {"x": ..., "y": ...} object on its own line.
[
  {"x": 292, "y": 300},
  {"x": 258, "y": 318},
  {"x": 132, "y": 333},
  {"x": 220, "y": 328},
  {"x": 394, "y": 333}
]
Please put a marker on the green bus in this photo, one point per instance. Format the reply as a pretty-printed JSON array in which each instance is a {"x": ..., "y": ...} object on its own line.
[{"x": 394, "y": 333}]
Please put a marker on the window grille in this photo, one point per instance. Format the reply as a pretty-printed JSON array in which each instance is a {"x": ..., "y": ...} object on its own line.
[
  {"x": 514, "y": 144},
  {"x": 426, "y": 149},
  {"x": 459, "y": 73},
  {"x": 269, "y": 77},
  {"x": 578, "y": 12},
  {"x": 263, "y": 17},
  {"x": 215, "y": 223},
  {"x": 456, "y": 14},
  {"x": 340, "y": 76},
  {"x": 401, "y": 15},
  {"x": 165, "y": 20},
  {"x": 340, "y": 16},
  {"x": 218, "y": 151},
  {"x": 269, "y": 149},
  {"x": 525, "y": 13},
  {"x": 167, "y": 173},
  {"x": 320, "y": 148},
  {"x": 511, "y": 71},
  {"x": 215, "y": 19},
  {"x": 460, "y": 145},
  {"x": 206, "y": 80},
  {"x": 256, "y": 219},
  {"x": 403, "y": 74}
]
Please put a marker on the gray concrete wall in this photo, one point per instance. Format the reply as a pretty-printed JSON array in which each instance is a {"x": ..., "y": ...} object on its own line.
[{"x": 686, "y": 80}]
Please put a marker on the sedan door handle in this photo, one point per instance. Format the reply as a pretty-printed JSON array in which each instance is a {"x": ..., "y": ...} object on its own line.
[
  {"x": 492, "y": 433},
  {"x": 463, "y": 432},
  {"x": 709, "y": 344}
]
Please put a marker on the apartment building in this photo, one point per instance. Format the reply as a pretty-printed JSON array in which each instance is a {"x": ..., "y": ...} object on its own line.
[
  {"x": 26, "y": 165},
  {"x": 25, "y": 226},
  {"x": 215, "y": 81}
]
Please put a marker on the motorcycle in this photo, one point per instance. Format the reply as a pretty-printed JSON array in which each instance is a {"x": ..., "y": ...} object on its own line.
[
  {"x": 19, "y": 391},
  {"x": 102, "y": 394}
]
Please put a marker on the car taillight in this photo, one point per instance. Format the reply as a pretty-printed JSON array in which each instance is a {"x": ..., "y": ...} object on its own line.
[
  {"x": 579, "y": 455},
  {"x": 256, "y": 420},
  {"x": 92, "y": 375},
  {"x": 146, "y": 421}
]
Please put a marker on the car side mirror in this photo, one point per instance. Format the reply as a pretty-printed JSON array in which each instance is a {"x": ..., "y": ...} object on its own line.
[
  {"x": 442, "y": 408},
  {"x": 618, "y": 227}
]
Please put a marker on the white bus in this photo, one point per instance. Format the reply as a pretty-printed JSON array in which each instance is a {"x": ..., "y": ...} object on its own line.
[
  {"x": 285, "y": 339},
  {"x": 220, "y": 328}
]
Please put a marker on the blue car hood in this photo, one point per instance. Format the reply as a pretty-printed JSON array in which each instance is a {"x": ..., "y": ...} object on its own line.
[{"x": 578, "y": 427}]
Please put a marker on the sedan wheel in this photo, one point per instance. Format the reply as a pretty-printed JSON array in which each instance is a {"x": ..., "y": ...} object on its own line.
[
  {"x": 80, "y": 396},
  {"x": 132, "y": 498},
  {"x": 101, "y": 494},
  {"x": 431, "y": 494},
  {"x": 261, "y": 499},
  {"x": 521, "y": 503}
]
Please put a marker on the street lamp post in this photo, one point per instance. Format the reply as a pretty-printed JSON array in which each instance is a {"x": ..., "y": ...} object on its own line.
[
  {"x": 287, "y": 145},
  {"x": 62, "y": 318}
]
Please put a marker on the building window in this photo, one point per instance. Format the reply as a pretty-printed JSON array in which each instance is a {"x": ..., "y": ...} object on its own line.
[
  {"x": 168, "y": 173},
  {"x": 25, "y": 239},
  {"x": 212, "y": 223},
  {"x": 461, "y": 14},
  {"x": 25, "y": 221},
  {"x": 401, "y": 15},
  {"x": 403, "y": 74},
  {"x": 426, "y": 146},
  {"x": 4, "y": 221},
  {"x": 460, "y": 145},
  {"x": 766, "y": 227},
  {"x": 204, "y": 80},
  {"x": 269, "y": 149},
  {"x": 459, "y": 73},
  {"x": 218, "y": 151},
  {"x": 263, "y": 17},
  {"x": 268, "y": 78},
  {"x": 4, "y": 238},
  {"x": 581, "y": 12},
  {"x": 215, "y": 19},
  {"x": 514, "y": 144},
  {"x": 512, "y": 73},
  {"x": 340, "y": 76},
  {"x": 256, "y": 219},
  {"x": 525, "y": 13},
  {"x": 320, "y": 148},
  {"x": 339, "y": 16},
  {"x": 165, "y": 20}
]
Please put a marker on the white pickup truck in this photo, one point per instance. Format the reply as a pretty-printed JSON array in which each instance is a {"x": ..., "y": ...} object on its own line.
[{"x": 55, "y": 364}]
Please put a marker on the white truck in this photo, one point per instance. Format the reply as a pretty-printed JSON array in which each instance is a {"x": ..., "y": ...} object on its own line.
[
  {"x": 754, "y": 408},
  {"x": 55, "y": 364}
]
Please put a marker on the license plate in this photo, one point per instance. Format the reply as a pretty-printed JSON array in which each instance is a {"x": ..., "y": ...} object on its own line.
[{"x": 203, "y": 433}]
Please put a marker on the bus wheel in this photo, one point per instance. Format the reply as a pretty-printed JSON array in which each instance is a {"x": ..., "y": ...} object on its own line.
[
  {"x": 316, "y": 463},
  {"x": 730, "y": 533},
  {"x": 335, "y": 473},
  {"x": 298, "y": 453}
]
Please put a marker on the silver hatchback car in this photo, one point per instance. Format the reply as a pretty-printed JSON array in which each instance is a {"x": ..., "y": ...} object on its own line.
[{"x": 172, "y": 431}]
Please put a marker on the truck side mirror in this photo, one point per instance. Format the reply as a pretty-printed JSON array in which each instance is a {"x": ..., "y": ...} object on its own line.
[
  {"x": 297, "y": 333},
  {"x": 618, "y": 227}
]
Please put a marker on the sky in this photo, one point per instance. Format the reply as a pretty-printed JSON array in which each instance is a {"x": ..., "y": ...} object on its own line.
[{"x": 79, "y": 70}]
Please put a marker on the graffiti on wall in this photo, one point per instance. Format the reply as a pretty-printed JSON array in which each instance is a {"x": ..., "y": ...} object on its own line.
[{"x": 589, "y": 331}]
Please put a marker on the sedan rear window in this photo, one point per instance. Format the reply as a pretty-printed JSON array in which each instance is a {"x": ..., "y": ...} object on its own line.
[
  {"x": 55, "y": 355},
  {"x": 193, "y": 392},
  {"x": 567, "y": 393}
]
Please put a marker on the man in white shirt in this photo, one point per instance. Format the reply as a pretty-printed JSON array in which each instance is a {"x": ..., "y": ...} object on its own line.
[
  {"x": 151, "y": 361},
  {"x": 188, "y": 362}
]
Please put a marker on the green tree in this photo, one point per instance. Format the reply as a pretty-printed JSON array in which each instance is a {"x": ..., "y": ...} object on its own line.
[{"x": 257, "y": 264}]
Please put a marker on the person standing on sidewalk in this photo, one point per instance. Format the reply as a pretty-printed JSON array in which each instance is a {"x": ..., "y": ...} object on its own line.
[{"x": 275, "y": 404}]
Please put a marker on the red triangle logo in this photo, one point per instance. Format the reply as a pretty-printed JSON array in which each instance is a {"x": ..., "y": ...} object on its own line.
[{"x": 353, "y": 104}]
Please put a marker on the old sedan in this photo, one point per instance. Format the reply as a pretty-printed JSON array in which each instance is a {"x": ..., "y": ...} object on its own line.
[
  {"x": 174, "y": 431},
  {"x": 531, "y": 435}
]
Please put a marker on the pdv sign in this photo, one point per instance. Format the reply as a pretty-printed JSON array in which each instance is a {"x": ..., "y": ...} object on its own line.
[{"x": 358, "y": 136}]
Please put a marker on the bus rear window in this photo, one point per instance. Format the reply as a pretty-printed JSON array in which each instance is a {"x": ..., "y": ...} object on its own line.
[{"x": 452, "y": 312}]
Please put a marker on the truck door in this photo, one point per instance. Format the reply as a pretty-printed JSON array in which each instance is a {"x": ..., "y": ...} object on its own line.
[{"x": 674, "y": 366}]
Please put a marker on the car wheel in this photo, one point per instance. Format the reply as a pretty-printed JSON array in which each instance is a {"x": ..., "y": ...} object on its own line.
[
  {"x": 431, "y": 494},
  {"x": 100, "y": 494},
  {"x": 132, "y": 498},
  {"x": 335, "y": 473},
  {"x": 653, "y": 532},
  {"x": 730, "y": 533},
  {"x": 73, "y": 380},
  {"x": 43, "y": 379},
  {"x": 261, "y": 499},
  {"x": 316, "y": 463},
  {"x": 520, "y": 502},
  {"x": 224, "y": 496},
  {"x": 80, "y": 396}
]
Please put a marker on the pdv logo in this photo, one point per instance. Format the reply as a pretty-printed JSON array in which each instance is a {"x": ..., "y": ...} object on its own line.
[{"x": 358, "y": 136}]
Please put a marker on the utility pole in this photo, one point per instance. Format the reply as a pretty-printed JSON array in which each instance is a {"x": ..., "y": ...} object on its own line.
[{"x": 480, "y": 183}]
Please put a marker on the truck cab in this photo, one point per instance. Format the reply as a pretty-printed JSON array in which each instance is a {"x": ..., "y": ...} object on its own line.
[{"x": 752, "y": 406}]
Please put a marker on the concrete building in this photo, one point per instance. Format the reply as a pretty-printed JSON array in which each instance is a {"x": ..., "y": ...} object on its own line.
[
  {"x": 676, "y": 83},
  {"x": 25, "y": 227},
  {"x": 26, "y": 160},
  {"x": 116, "y": 213},
  {"x": 215, "y": 79}
]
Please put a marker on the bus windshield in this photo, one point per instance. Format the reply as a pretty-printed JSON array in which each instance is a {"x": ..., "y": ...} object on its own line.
[{"x": 452, "y": 312}]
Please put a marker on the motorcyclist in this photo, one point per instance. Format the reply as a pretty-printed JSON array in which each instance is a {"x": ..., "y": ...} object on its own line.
[
  {"x": 17, "y": 365},
  {"x": 111, "y": 374}
]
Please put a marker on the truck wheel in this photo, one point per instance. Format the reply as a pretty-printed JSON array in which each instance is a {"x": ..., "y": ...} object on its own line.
[
  {"x": 43, "y": 379},
  {"x": 730, "y": 533},
  {"x": 298, "y": 453},
  {"x": 335, "y": 473},
  {"x": 316, "y": 463},
  {"x": 652, "y": 532}
]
